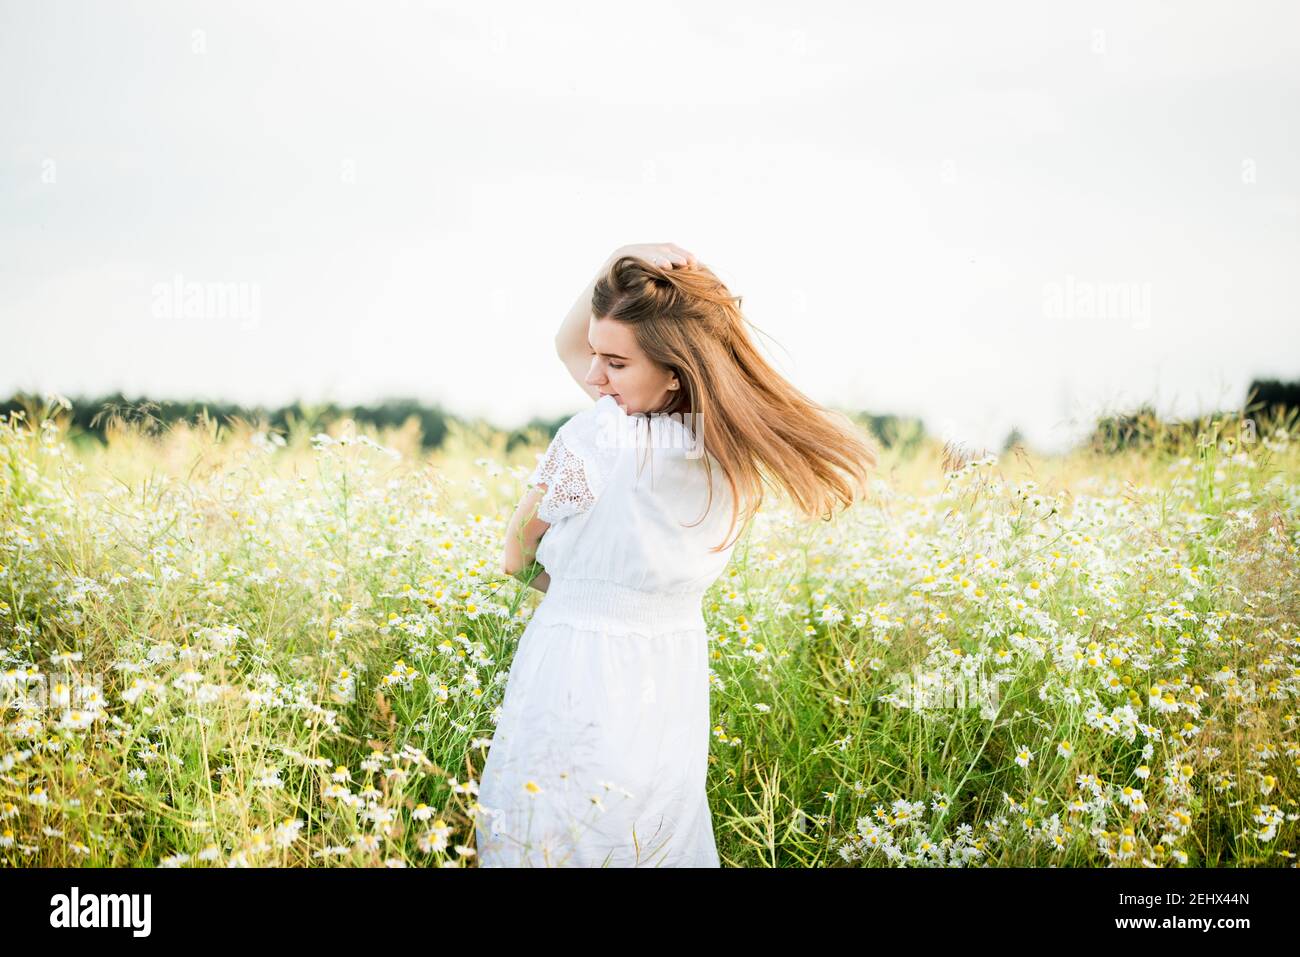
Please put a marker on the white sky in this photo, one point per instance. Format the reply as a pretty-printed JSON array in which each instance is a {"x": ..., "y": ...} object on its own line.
[{"x": 895, "y": 190}]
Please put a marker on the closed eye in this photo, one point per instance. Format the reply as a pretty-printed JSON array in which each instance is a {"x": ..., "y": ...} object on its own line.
[{"x": 595, "y": 353}]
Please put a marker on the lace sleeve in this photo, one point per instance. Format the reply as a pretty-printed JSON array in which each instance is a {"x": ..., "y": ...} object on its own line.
[{"x": 564, "y": 474}]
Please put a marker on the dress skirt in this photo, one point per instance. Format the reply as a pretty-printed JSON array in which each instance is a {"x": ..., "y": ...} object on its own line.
[{"x": 600, "y": 755}]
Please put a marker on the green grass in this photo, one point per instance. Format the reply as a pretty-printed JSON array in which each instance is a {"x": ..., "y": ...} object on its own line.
[{"x": 291, "y": 654}]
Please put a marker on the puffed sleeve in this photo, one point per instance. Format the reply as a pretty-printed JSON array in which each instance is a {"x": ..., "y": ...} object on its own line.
[{"x": 575, "y": 467}]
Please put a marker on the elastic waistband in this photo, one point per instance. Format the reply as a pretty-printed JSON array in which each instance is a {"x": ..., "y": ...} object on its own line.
[{"x": 608, "y": 606}]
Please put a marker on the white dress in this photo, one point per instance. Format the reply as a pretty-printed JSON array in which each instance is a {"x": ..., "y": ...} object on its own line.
[{"x": 600, "y": 754}]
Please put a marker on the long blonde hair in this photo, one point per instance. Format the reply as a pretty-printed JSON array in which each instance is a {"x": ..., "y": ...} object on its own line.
[{"x": 759, "y": 427}]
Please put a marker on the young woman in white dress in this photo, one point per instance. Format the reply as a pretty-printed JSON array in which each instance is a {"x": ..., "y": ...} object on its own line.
[{"x": 600, "y": 752}]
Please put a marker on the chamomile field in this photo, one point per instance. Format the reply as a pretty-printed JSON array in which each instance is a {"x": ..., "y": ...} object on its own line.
[{"x": 222, "y": 647}]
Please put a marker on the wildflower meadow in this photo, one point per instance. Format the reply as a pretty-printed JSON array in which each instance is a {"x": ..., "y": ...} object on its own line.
[{"x": 222, "y": 646}]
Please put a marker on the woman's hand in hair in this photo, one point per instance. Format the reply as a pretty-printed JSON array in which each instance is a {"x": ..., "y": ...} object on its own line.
[{"x": 663, "y": 255}]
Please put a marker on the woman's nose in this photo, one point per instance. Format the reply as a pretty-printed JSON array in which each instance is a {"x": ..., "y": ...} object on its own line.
[{"x": 594, "y": 375}]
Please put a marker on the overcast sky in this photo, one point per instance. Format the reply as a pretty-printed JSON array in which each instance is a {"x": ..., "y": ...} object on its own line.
[{"x": 988, "y": 215}]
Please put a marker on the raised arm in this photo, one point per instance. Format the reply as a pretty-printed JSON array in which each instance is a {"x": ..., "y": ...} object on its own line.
[{"x": 571, "y": 343}]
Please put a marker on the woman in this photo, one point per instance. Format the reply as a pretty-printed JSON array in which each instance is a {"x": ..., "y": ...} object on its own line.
[{"x": 600, "y": 753}]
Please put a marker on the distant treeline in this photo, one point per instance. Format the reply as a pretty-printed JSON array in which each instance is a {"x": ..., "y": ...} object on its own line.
[
  {"x": 92, "y": 417},
  {"x": 1266, "y": 400}
]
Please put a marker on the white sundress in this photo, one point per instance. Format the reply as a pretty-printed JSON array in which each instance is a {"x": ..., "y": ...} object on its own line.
[{"x": 600, "y": 753}]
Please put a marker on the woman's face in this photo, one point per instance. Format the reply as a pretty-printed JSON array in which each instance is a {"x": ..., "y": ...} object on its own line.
[{"x": 619, "y": 368}]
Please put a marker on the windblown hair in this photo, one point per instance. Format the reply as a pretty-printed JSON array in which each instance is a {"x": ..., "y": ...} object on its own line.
[{"x": 759, "y": 427}]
